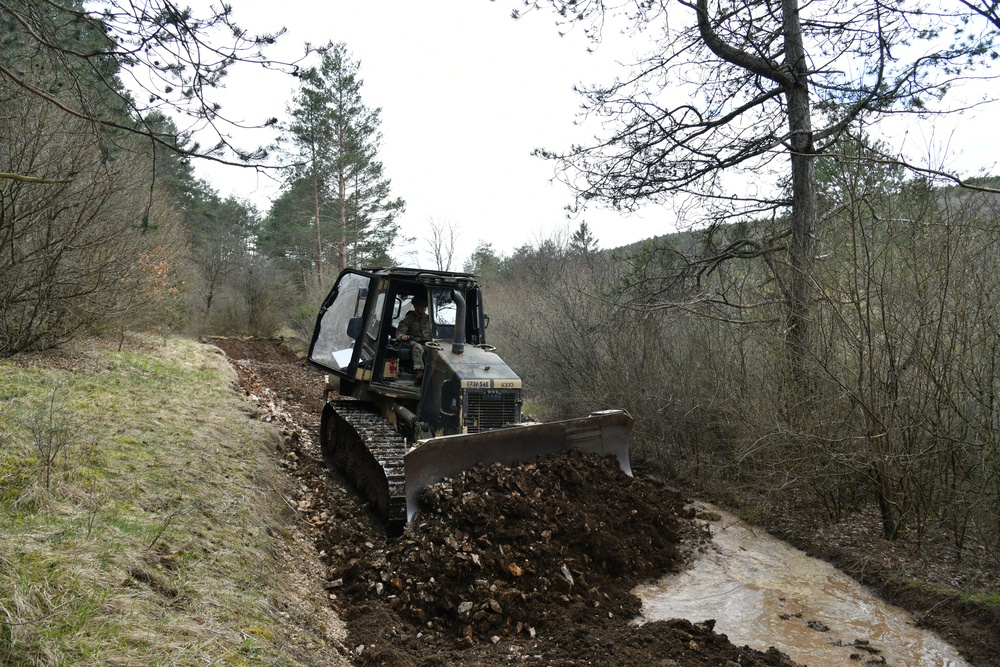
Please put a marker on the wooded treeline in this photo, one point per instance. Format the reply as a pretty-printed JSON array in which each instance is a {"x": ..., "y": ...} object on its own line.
[
  {"x": 104, "y": 226},
  {"x": 898, "y": 410}
]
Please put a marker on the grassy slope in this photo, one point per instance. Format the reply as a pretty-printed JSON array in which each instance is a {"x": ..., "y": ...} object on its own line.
[{"x": 160, "y": 535}]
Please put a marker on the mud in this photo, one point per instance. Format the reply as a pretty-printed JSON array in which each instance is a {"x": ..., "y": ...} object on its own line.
[
  {"x": 764, "y": 592},
  {"x": 529, "y": 565}
]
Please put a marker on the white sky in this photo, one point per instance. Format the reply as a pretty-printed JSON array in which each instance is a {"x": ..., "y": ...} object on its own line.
[{"x": 466, "y": 94}]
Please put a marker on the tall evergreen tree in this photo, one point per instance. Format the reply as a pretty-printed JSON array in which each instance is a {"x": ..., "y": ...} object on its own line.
[{"x": 337, "y": 195}]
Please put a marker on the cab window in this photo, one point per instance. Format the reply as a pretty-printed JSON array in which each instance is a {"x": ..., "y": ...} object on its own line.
[{"x": 340, "y": 323}]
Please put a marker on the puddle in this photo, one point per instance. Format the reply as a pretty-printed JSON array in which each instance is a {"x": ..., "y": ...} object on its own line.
[{"x": 762, "y": 593}]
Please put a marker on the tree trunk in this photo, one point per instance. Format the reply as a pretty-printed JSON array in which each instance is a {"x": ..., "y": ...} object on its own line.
[
  {"x": 793, "y": 77},
  {"x": 319, "y": 236},
  {"x": 802, "y": 251},
  {"x": 343, "y": 222},
  {"x": 892, "y": 526}
]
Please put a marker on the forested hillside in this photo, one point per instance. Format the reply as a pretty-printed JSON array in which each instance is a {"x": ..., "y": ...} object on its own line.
[{"x": 893, "y": 411}]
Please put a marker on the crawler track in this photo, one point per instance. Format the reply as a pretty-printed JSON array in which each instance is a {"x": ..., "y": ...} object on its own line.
[{"x": 359, "y": 442}]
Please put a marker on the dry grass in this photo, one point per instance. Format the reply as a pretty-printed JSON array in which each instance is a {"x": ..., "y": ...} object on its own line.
[{"x": 158, "y": 534}]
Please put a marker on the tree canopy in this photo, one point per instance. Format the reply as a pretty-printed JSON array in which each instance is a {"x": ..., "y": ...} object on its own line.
[
  {"x": 337, "y": 195},
  {"x": 118, "y": 63}
]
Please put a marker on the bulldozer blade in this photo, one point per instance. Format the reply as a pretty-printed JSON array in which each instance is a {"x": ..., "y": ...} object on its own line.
[{"x": 604, "y": 433}]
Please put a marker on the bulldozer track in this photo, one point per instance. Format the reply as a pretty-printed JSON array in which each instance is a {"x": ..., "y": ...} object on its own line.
[{"x": 358, "y": 441}]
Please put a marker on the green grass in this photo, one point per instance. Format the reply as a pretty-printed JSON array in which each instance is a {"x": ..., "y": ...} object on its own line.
[{"x": 157, "y": 539}]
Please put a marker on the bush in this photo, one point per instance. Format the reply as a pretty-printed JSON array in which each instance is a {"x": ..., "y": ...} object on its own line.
[{"x": 85, "y": 245}]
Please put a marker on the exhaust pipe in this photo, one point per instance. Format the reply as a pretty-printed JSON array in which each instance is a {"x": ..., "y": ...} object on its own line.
[{"x": 458, "y": 342}]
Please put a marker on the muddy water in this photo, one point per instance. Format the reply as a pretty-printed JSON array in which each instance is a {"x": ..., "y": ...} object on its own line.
[{"x": 762, "y": 593}]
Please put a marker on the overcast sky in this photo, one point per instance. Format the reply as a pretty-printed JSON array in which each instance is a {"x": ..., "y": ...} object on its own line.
[{"x": 467, "y": 94}]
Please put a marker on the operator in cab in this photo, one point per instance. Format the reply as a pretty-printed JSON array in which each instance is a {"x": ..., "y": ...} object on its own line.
[{"x": 415, "y": 328}]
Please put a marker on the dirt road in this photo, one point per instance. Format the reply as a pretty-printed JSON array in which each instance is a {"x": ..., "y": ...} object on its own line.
[{"x": 532, "y": 565}]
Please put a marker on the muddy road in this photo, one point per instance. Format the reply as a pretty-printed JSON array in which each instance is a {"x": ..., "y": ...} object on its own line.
[{"x": 533, "y": 565}]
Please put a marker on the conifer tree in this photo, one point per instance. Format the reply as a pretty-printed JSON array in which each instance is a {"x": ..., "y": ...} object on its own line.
[
  {"x": 582, "y": 242},
  {"x": 337, "y": 189}
]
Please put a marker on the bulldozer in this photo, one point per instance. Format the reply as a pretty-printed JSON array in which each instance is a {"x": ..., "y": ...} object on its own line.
[{"x": 392, "y": 430}]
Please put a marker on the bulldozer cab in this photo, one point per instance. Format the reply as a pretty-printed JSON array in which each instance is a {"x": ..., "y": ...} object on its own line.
[{"x": 355, "y": 333}]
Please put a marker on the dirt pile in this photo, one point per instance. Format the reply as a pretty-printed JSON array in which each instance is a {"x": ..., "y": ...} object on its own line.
[{"x": 499, "y": 551}]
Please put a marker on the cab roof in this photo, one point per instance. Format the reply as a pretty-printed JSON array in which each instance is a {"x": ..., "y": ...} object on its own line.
[{"x": 426, "y": 276}]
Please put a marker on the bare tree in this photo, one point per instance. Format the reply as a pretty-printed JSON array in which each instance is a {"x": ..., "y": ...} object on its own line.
[
  {"x": 442, "y": 244},
  {"x": 257, "y": 300},
  {"x": 221, "y": 240},
  {"x": 755, "y": 88},
  {"x": 78, "y": 57},
  {"x": 81, "y": 254},
  {"x": 52, "y": 431}
]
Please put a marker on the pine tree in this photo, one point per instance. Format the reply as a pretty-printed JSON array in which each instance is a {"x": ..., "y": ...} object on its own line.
[
  {"x": 337, "y": 190},
  {"x": 582, "y": 242},
  {"x": 484, "y": 262}
]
